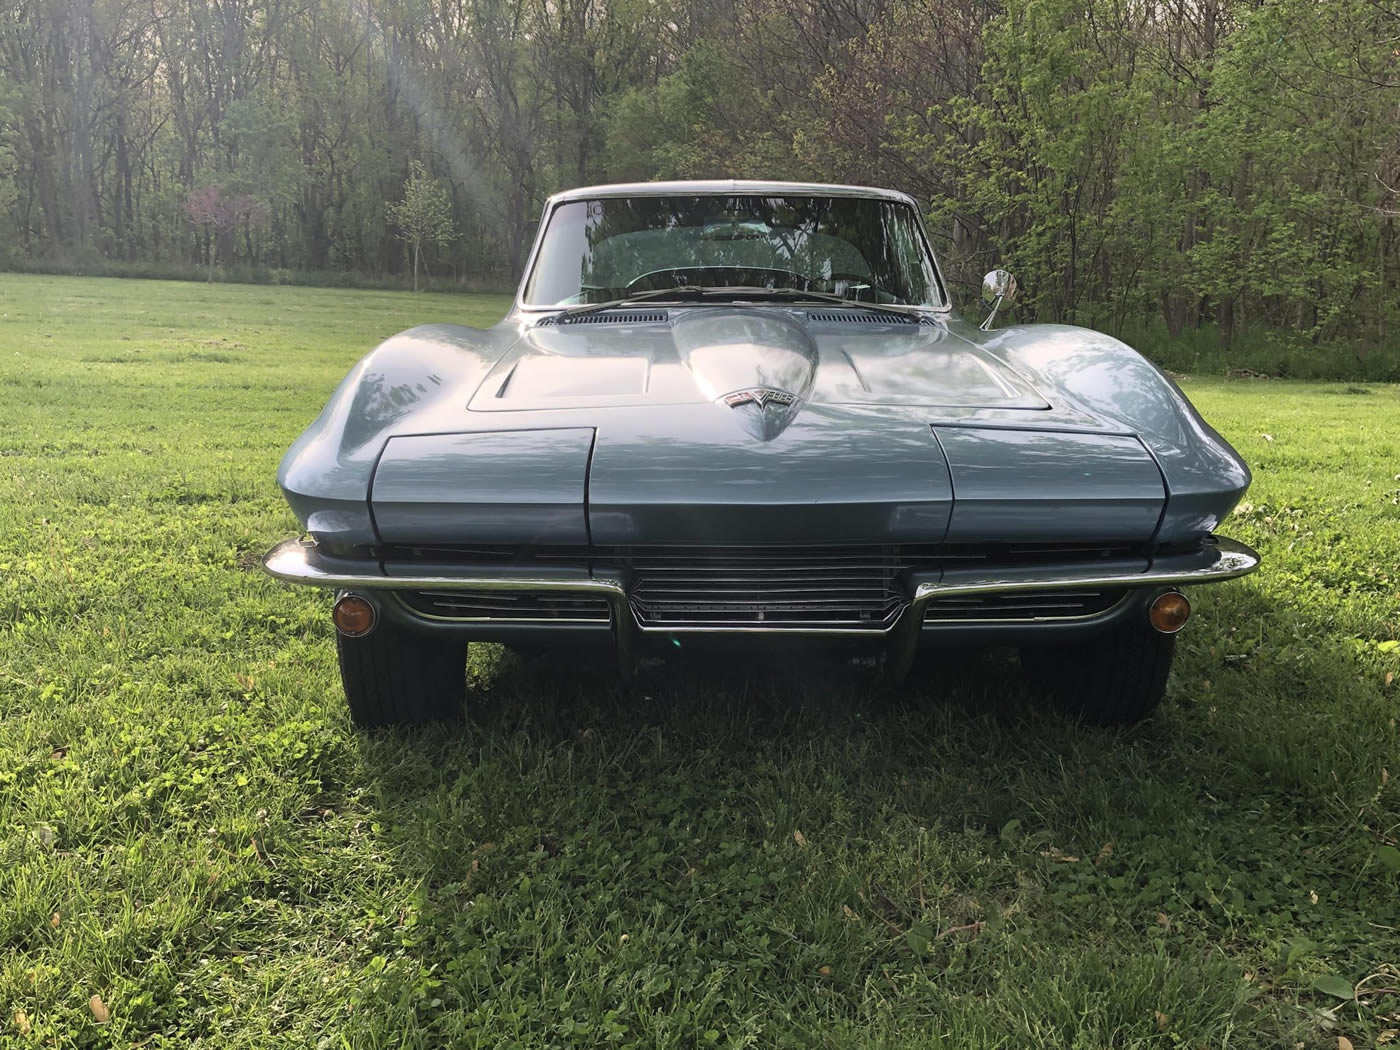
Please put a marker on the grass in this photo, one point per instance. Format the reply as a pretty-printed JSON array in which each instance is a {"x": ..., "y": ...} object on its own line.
[{"x": 199, "y": 850}]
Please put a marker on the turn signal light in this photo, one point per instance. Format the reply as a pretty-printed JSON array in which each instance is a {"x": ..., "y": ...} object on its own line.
[
  {"x": 1169, "y": 612},
  {"x": 353, "y": 615}
]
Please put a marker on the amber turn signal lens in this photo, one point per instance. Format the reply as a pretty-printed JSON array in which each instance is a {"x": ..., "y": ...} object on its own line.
[
  {"x": 1169, "y": 612},
  {"x": 353, "y": 615}
]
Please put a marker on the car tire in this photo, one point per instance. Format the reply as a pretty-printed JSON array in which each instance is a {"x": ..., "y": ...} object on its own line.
[
  {"x": 396, "y": 677},
  {"x": 1116, "y": 678}
]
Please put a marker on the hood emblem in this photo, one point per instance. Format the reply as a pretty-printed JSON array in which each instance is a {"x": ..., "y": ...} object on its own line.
[{"x": 760, "y": 396}]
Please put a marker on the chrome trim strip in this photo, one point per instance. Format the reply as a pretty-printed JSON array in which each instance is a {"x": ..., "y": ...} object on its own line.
[
  {"x": 1231, "y": 560},
  {"x": 755, "y": 628},
  {"x": 729, "y": 188},
  {"x": 974, "y": 621},
  {"x": 502, "y": 621},
  {"x": 291, "y": 561}
]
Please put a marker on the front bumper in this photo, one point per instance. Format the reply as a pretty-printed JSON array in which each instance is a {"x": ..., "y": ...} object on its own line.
[{"x": 928, "y": 591}]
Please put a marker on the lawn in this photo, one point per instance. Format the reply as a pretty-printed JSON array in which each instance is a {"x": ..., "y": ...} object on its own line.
[{"x": 198, "y": 849}]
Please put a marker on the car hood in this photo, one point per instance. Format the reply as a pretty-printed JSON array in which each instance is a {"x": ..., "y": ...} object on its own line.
[
  {"x": 767, "y": 364},
  {"x": 758, "y": 425}
]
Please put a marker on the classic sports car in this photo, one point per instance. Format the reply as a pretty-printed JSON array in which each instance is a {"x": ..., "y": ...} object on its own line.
[{"x": 744, "y": 412}]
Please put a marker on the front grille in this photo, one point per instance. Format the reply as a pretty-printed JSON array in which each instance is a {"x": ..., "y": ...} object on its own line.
[
  {"x": 507, "y": 606},
  {"x": 853, "y": 588},
  {"x": 798, "y": 587},
  {"x": 1026, "y": 605}
]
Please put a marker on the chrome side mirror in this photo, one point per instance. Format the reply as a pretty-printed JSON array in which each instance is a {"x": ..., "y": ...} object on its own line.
[{"x": 997, "y": 287}]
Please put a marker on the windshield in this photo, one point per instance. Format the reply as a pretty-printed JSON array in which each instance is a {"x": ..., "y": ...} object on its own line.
[{"x": 861, "y": 248}]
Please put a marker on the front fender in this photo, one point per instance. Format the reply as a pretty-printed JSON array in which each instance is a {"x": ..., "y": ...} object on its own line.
[
  {"x": 1103, "y": 376},
  {"x": 326, "y": 473}
]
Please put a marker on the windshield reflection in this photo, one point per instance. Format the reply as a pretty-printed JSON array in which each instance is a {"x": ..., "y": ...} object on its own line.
[{"x": 860, "y": 248}]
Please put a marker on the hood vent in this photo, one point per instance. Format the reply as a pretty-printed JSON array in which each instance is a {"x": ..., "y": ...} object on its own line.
[
  {"x": 607, "y": 317},
  {"x": 859, "y": 317}
]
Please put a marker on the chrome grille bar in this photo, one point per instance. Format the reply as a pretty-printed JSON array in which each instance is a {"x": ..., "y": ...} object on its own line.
[
  {"x": 507, "y": 607},
  {"x": 1047, "y": 605},
  {"x": 831, "y": 587}
]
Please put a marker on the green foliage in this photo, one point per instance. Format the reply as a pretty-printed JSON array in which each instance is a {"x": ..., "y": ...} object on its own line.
[
  {"x": 740, "y": 853},
  {"x": 708, "y": 119},
  {"x": 1260, "y": 352},
  {"x": 1227, "y": 166},
  {"x": 1298, "y": 171},
  {"x": 1061, "y": 107},
  {"x": 1221, "y": 164},
  {"x": 268, "y": 166},
  {"x": 425, "y": 212}
]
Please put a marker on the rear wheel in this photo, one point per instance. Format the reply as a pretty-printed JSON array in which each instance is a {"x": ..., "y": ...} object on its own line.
[
  {"x": 1116, "y": 678},
  {"x": 395, "y": 677}
]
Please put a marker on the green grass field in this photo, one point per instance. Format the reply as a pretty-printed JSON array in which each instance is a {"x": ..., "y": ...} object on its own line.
[{"x": 198, "y": 850}]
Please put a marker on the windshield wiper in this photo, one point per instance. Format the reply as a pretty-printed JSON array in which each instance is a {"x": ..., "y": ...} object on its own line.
[
  {"x": 680, "y": 291},
  {"x": 687, "y": 292},
  {"x": 799, "y": 295}
]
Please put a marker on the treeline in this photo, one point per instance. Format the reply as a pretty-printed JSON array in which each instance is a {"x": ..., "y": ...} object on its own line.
[{"x": 1187, "y": 163}]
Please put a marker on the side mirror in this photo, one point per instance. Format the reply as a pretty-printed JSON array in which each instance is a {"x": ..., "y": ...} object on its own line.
[{"x": 997, "y": 287}]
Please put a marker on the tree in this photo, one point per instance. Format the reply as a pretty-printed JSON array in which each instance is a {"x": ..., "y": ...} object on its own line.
[
  {"x": 218, "y": 211},
  {"x": 424, "y": 214},
  {"x": 1163, "y": 165}
]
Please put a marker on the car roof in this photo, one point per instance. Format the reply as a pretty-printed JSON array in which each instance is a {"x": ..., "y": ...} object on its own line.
[{"x": 727, "y": 187}]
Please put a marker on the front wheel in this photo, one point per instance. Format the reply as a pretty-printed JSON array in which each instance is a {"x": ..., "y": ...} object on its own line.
[
  {"x": 396, "y": 677},
  {"x": 1116, "y": 678}
]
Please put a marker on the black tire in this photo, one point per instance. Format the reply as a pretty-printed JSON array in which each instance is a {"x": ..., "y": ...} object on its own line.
[
  {"x": 1116, "y": 678},
  {"x": 395, "y": 677}
]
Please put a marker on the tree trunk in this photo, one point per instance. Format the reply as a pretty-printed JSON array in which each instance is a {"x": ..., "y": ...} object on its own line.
[
  {"x": 1172, "y": 312},
  {"x": 46, "y": 184},
  {"x": 1225, "y": 320},
  {"x": 415, "y": 265}
]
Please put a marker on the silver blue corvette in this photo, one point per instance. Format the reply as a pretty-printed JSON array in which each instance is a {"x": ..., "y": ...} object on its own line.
[{"x": 742, "y": 413}]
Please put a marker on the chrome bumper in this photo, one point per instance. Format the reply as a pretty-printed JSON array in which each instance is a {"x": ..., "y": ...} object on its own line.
[{"x": 1219, "y": 559}]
